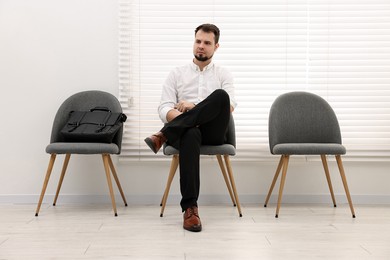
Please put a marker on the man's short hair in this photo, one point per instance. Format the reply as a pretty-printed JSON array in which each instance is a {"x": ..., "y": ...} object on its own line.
[{"x": 207, "y": 28}]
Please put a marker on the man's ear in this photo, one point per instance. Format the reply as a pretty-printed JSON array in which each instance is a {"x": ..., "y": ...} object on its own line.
[{"x": 216, "y": 46}]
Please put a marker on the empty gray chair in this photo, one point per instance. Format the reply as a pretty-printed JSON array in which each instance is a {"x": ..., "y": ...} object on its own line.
[
  {"x": 225, "y": 150},
  {"x": 305, "y": 124},
  {"x": 83, "y": 101}
]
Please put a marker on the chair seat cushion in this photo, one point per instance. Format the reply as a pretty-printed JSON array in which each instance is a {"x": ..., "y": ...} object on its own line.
[
  {"x": 206, "y": 149},
  {"x": 82, "y": 148},
  {"x": 308, "y": 148}
]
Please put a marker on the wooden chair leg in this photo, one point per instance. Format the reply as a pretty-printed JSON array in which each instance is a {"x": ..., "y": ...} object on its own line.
[
  {"x": 108, "y": 175},
  {"x": 116, "y": 179},
  {"x": 274, "y": 180},
  {"x": 325, "y": 164},
  {"x": 228, "y": 185},
  {"x": 46, "y": 181},
  {"x": 64, "y": 167},
  {"x": 233, "y": 183},
  {"x": 344, "y": 179},
  {"x": 172, "y": 171},
  {"x": 171, "y": 174},
  {"x": 282, "y": 181}
]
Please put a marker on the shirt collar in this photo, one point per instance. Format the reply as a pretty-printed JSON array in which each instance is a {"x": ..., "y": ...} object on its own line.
[{"x": 196, "y": 67}]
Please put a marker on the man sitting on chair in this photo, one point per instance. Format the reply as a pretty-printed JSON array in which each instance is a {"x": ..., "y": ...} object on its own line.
[{"x": 195, "y": 106}]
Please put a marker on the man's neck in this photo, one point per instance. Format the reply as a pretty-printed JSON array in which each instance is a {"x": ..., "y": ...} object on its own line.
[{"x": 202, "y": 64}]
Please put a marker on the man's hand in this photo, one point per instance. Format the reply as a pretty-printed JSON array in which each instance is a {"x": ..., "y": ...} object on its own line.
[{"x": 184, "y": 106}]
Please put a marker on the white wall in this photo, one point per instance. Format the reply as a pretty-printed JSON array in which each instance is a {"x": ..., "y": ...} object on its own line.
[{"x": 52, "y": 49}]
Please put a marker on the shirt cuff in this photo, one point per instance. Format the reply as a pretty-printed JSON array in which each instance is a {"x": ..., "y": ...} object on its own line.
[{"x": 163, "y": 114}]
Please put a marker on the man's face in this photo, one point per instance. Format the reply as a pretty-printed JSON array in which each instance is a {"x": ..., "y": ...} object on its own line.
[{"x": 204, "y": 45}]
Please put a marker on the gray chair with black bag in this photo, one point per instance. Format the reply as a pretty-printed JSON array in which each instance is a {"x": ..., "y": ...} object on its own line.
[
  {"x": 225, "y": 150},
  {"x": 302, "y": 123},
  {"x": 83, "y": 101}
]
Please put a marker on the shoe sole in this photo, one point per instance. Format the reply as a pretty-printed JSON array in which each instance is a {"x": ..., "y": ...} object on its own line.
[
  {"x": 194, "y": 228},
  {"x": 150, "y": 143}
]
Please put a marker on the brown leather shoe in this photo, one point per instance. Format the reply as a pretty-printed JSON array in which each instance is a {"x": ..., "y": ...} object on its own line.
[
  {"x": 155, "y": 141},
  {"x": 191, "y": 220}
]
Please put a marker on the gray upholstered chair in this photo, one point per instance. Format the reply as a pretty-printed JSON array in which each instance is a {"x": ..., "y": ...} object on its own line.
[
  {"x": 224, "y": 150},
  {"x": 305, "y": 124},
  {"x": 83, "y": 101}
]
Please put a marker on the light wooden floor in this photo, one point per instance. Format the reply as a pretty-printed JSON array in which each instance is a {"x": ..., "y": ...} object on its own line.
[{"x": 92, "y": 232}]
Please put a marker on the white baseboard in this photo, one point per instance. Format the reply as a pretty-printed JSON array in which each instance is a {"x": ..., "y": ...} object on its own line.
[{"x": 203, "y": 199}]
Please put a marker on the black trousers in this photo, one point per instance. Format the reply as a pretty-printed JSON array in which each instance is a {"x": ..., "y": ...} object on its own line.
[{"x": 205, "y": 124}]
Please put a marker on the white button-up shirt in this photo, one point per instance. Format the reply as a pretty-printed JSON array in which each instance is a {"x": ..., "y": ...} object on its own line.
[{"x": 193, "y": 85}]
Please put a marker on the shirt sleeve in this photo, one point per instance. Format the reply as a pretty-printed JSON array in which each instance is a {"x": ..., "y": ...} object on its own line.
[
  {"x": 168, "y": 97},
  {"x": 227, "y": 82}
]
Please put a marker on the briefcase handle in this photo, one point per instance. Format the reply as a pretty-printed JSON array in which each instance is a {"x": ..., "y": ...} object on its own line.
[{"x": 100, "y": 109}]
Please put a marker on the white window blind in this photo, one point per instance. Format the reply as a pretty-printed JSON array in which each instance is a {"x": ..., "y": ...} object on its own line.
[{"x": 337, "y": 49}]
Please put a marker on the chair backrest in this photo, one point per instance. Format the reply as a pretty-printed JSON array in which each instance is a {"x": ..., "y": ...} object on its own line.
[
  {"x": 231, "y": 132},
  {"x": 302, "y": 117},
  {"x": 84, "y": 101}
]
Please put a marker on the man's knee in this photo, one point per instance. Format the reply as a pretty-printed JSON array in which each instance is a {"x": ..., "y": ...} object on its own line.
[{"x": 222, "y": 94}]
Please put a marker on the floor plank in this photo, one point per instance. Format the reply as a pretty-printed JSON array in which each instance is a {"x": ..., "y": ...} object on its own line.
[{"x": 92, "y": 232}]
